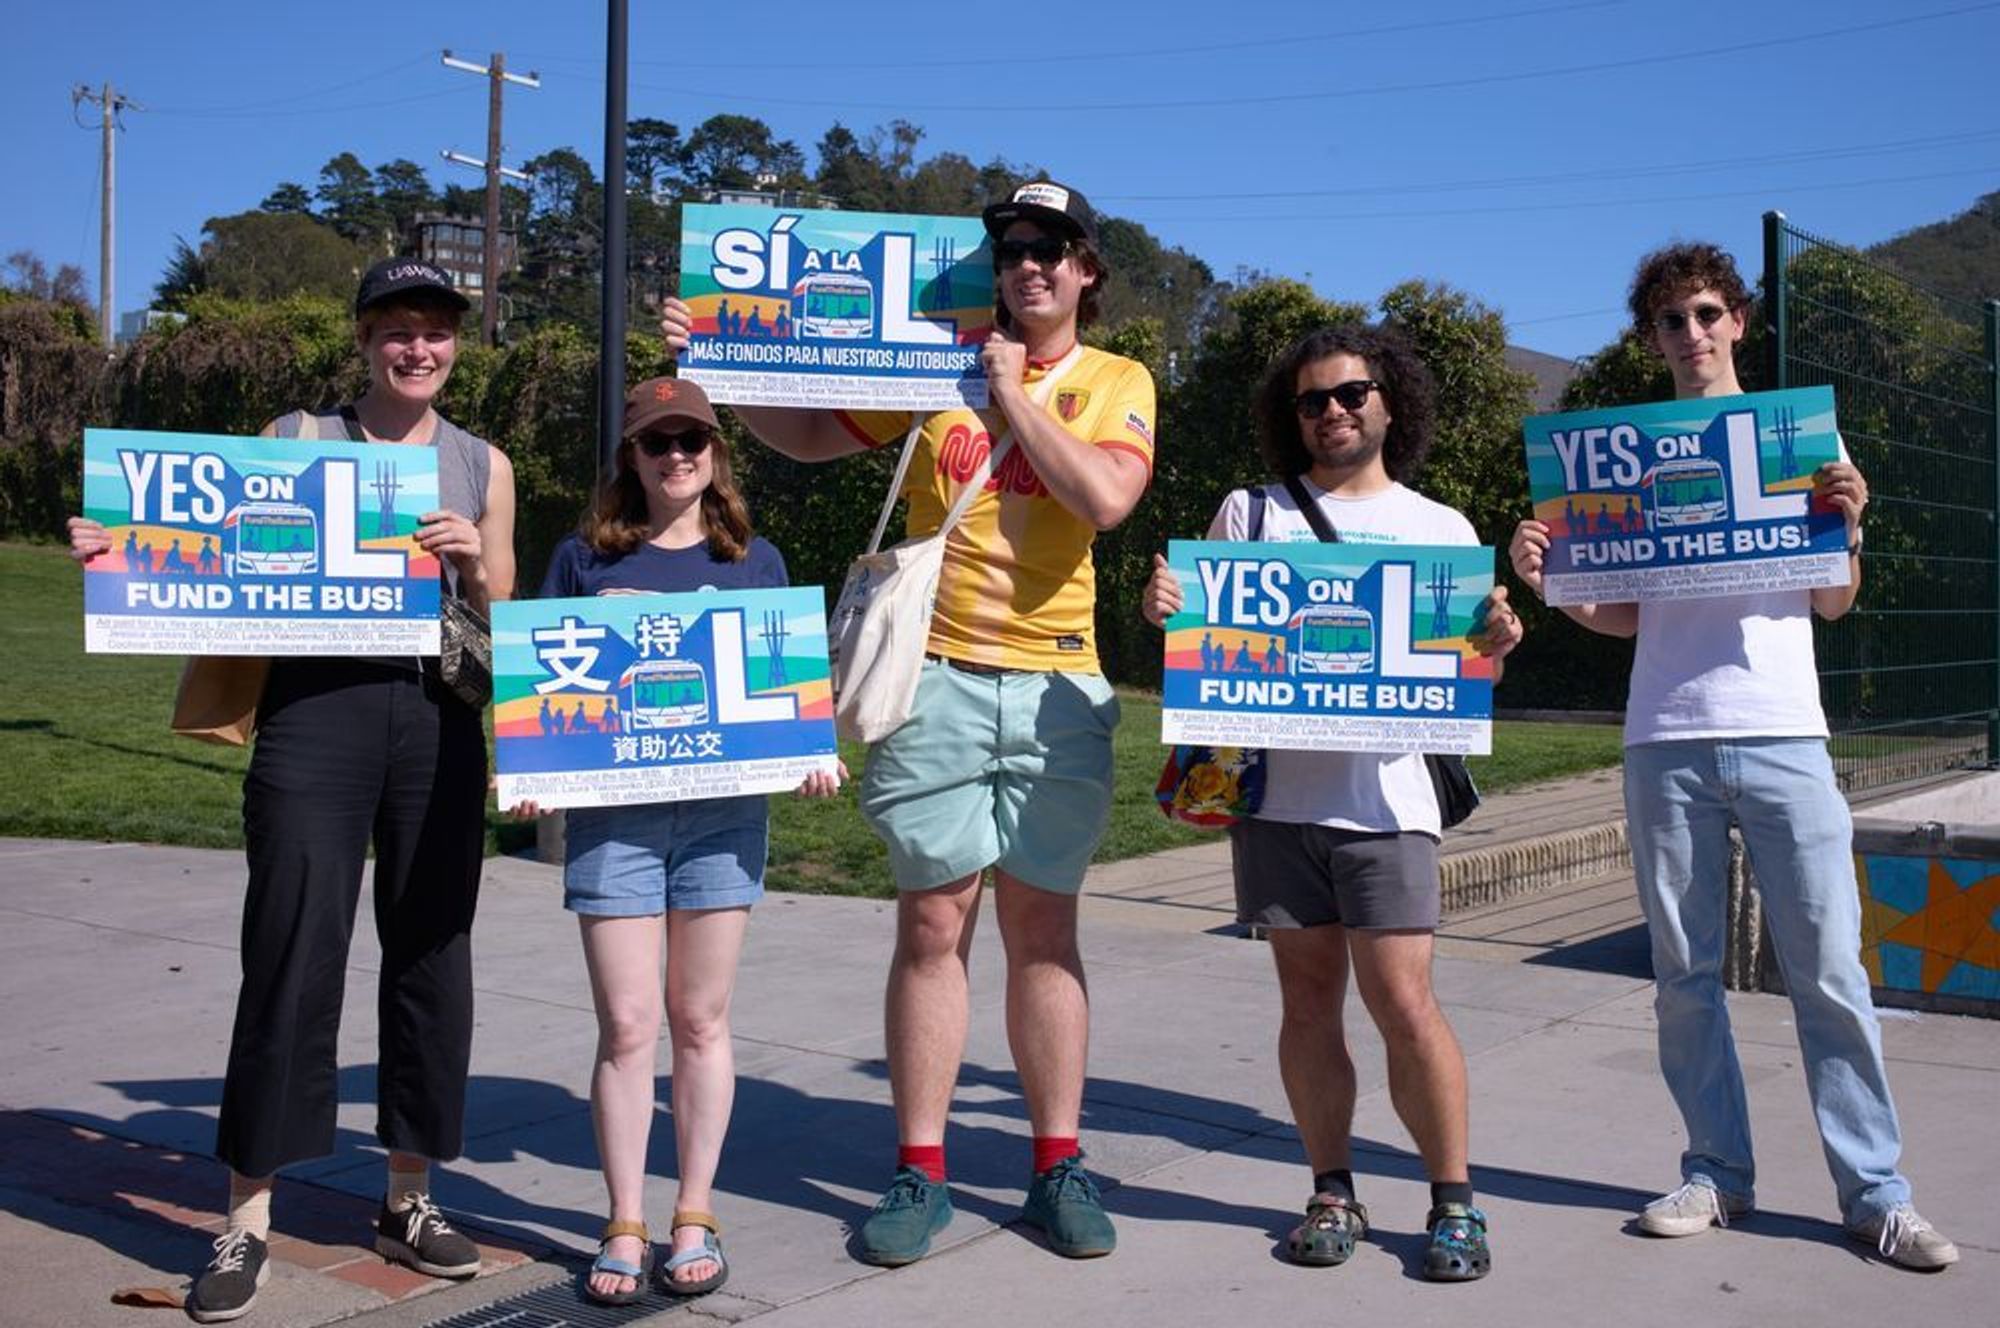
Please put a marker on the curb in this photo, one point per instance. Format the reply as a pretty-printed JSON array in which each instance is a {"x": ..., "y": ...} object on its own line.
[{"x": 1489, "y": 875}]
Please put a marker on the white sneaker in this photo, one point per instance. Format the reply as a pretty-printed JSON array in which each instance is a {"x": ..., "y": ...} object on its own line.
[
  {"x": 1902, "y": 1236},
  {"x": 1690, "y": 1210}
]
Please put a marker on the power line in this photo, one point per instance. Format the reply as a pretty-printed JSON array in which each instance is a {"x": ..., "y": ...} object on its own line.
[
  {"x": 1711, "y": 165},
  {"x": 735, "y": 97},
  {"x": 377, "y": 104},
  {"x": 246, "y": 108},
  {"x": 1764, "y": 191},
  {"x": 1101, "y": 56}
]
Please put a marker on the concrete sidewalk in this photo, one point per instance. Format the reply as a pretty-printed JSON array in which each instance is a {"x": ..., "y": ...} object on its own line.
[{"x": 118, "y": 971}]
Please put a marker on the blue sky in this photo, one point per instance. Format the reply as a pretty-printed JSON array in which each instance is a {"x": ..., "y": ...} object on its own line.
[{"x": 1524, "y": 150}]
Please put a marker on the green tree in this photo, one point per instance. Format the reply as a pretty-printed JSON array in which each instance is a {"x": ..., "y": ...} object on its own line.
[
  {"x": 653, "y": 152},
  {"x": 402, "y": 190},
  {"x": 849, "y": 175},
  {"x": 347, "y": 200},
  {"x": 25, "y": 274},
  {"x": 289, "y": 196},
  {"x": 728, "y": 152},
  {"x": 265, "y": 256}
]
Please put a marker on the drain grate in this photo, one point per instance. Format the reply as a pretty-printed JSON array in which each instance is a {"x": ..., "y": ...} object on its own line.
[{"x": 558, "y": 1305}]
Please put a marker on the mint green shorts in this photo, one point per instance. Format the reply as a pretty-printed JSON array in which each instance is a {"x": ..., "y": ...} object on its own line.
[{"x": 1010, "y": 769}]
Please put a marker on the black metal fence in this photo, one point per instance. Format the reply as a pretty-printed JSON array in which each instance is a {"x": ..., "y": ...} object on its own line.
[{"x": 1910, "y": 678}]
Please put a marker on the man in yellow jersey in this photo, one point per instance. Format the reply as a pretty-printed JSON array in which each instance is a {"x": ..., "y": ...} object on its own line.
[{"x": 1006, "y": 762}]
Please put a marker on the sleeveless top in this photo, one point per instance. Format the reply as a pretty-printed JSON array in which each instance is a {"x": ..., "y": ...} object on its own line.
[{"x": 464, "y": 465}]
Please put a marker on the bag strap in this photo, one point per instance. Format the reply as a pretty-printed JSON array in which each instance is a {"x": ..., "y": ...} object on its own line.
[
  {"x": 1259, "y": 500},
  {"x": 1310, "y": 510},
  {"x": 1039, "y": 394},
  {"x": 351, "y": 421}
]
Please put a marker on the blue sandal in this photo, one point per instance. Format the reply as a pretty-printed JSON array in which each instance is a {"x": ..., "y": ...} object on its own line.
[
  {"x": 710, "y": 1248},
  {"x": 604, "y": 1263}
]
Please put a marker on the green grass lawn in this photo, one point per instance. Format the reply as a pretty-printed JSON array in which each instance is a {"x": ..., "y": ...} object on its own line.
[{"x": 86, "y": 754}]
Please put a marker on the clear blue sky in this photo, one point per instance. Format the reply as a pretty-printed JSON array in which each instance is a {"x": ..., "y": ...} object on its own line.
[{"x": 1524, "y": 150}]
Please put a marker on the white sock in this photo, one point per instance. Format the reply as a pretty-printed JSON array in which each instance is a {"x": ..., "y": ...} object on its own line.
[
  {"x": 403, "y": 1184},
  {"x": 250, "y": 1205}
]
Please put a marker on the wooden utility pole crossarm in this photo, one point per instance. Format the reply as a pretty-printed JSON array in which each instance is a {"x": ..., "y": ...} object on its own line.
[
  {"x": 495, "y": 71},
  {"x": 109, "y": 104}
]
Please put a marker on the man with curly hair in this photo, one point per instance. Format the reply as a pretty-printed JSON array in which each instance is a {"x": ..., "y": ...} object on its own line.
[
  {"x": 1339, "y": 864},
  {"x": 1724, "y": 724}
]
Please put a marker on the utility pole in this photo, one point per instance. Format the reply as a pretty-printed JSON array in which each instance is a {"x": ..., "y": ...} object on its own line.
[
  {"x": 611, "y": 354},
  {"x": 489, "y": 268},
  {"x": 109, "y": 103}
]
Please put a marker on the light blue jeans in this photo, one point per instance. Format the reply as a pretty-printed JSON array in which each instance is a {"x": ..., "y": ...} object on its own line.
[{"x": 1680, "y": 798}]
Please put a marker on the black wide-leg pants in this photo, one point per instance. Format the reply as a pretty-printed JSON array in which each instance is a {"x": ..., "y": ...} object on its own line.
[{"x": 349, "y": 752}]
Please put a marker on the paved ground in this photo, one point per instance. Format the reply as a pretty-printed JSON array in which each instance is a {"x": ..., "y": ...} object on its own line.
[{"x": 117, "y": 972}]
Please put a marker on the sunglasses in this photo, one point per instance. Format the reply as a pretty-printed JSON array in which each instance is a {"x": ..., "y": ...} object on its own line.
[
  {"x": 1673, "y": 320},
  {"x": 1046, "y": 250},
  {"x": 1351, "y": 395},
  {"x": 688, "y": 442}
]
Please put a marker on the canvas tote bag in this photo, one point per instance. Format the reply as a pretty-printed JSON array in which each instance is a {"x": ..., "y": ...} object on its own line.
[{"x": 882, "y": 620}]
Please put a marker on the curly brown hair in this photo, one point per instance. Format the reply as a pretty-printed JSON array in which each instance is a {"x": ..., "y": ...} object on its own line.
[
  {"x": 619, "y": 521},
  {"x": 1407, "y": 390},
  {"x": 1680, "y": 270}
]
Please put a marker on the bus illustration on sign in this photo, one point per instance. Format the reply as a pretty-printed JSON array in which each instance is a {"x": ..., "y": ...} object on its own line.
[
  {"x": 833, "y": 306},
  {"x": 271, "y": 539},
  {"x": 1687, "y": 492},
  {"x": 665, "y": 694},
  {"x": 1333, "y": 638}
]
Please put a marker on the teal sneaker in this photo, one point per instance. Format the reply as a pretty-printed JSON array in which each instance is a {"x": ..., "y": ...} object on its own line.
[
  {"x": 899, "y": 1231},
  {"x": 1064, "y": 1203}
]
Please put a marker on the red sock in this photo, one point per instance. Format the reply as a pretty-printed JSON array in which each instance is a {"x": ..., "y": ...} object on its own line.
[
  {"x": 1051, "y": 1149},
  {"x": 927, "y": 1158}
]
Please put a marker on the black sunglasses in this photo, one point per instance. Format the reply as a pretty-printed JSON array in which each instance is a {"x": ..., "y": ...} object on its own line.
[
  {"x": 1351, "y": 395},
  {"x": 1673, "y": 320},
  {"x": 1047, "y": 250},
  {"x": 688, "y": 442}
]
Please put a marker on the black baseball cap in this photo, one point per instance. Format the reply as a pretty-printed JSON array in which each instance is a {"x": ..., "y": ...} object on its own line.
[
  {"x": 1054, "y": 207},
  {"x": 402, "y": 276}
]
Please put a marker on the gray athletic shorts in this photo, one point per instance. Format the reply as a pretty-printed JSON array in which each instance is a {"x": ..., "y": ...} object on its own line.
[{"x": 1291, "y": 875}]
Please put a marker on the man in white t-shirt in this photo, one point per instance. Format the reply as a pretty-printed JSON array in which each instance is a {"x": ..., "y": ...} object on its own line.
[
  {"x": 1724, "y": 723},
  {"x": 1339, "y": 863}
]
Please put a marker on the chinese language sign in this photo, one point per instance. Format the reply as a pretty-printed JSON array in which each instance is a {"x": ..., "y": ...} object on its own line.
[
  {"x": 659, "y": 698},
  {"x": 1331, "y": 647},
  {"x": 258, "y": 546}
]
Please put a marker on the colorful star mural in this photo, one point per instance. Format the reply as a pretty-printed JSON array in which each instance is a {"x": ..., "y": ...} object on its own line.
[{"x": 1931, "y": 924}]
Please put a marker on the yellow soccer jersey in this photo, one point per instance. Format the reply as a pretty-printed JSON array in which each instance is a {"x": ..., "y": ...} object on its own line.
[{"x": 1018, "y": 587}]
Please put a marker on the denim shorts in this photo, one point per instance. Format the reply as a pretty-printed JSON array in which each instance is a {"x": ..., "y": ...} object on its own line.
[
  {"x": 1008, "y": 769},
  {"x": 636, "y": 861}
]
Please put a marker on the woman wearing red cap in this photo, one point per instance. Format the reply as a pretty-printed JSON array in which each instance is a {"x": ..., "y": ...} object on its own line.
[
  {"x": 349, "y": 752},
  {"x": 682, "y": 875}
]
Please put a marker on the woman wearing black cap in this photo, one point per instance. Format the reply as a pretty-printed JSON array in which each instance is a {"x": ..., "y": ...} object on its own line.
[{"x": 351, "y": 751}]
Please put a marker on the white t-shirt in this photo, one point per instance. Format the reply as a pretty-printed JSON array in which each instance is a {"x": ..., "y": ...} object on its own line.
[
  {"x": 1737, "y": 666},
  {"x": 1348, "y": 790}
]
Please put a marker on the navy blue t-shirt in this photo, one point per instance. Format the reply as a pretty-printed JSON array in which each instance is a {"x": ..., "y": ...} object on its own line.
[{"x": 577, "y": 569}]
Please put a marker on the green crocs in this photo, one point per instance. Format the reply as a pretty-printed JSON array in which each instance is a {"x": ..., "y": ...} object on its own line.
[
  {"x": 1063, "y": 1201},
  {"x": 1458, "y": 1250},
  {"x": 1327, "y": 1236},
  {"x": 899, "y": 1231}
]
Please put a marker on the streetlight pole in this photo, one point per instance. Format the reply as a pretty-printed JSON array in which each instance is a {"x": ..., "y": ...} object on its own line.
[{"x": 611, "y": 374}]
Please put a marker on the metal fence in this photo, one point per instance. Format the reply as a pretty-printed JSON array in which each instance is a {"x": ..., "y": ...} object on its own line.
[{"x": 1911, "y": 677}]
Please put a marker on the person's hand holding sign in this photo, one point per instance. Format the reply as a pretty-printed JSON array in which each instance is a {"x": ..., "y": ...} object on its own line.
[
  {"x": 1162, "y": 597},
  {"x": 676, "y": 324},
  {"x": 1005, "y": 361},
  {"x": 87, "y": 539},
  {"x": 1527, "y": 551},
  {"x": 1839, "y": 485},
  {"x": 1499, "y": 629}
]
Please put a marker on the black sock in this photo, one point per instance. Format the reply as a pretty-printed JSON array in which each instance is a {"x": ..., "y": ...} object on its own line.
[
  {"x": 1339, "y": 1183},
  {"x": 1455, "y": 1191}
]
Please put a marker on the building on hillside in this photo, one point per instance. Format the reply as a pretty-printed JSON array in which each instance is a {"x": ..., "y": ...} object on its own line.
[
  {"x": 457, "y": 244},
  {"x": 136, "y": 323}
]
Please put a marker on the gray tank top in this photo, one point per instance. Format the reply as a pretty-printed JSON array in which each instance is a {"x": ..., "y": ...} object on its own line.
[{"x": 464, "y": 464}]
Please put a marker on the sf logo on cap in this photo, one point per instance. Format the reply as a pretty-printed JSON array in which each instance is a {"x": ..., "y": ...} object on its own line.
[{"x": 664, "y": 391}]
